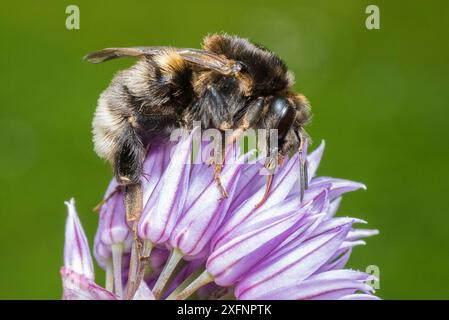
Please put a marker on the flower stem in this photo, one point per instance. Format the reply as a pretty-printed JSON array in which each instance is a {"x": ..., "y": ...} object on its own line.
[
  {"x": 186, "y": 282},
  {"x": 109, "y": 276},
  {"x": 117, "y": 252},
  {"x": 202, "y": 280},
  {"x": 175, "y": 256}
]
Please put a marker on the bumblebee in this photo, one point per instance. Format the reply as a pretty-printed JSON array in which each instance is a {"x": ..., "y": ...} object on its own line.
[{"x": 229, "y": 84}]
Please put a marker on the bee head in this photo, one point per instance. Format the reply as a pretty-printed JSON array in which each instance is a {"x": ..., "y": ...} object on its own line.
[{"x": 262, "y": 72}]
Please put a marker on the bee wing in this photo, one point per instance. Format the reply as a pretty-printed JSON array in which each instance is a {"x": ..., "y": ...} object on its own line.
[
  {"x": 209, "y": 60},
  {"x": 200, "y": 58},
  {"x": 112, "y": 53}
]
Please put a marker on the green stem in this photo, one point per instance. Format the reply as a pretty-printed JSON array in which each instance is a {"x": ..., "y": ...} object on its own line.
[
  {"x": 175, "y": 256},
  {"x": 185, "y": 283},
  {"x": 117, "y": 252},
  {"x": 199, "y": 282},
  {"x": 109, "y": 276}
]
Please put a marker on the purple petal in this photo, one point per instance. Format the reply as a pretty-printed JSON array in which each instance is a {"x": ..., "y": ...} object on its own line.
[
  {"x": 263, "y": 217},
  {"x": 231, "y": 260},
  {"x": 336, "y": 187},
  {"x": 312, "y": 212},
  {"x": 158, "y": 258},
  {"x": 335, "y": 223},
  {"x": 315, "y": 213},
  {"x": 201, "y": 174},
  {"x": 295, "y": 265},
  {"x": 112, "y": 226},
  {"x": 157, "y": 159},
  {"x": 101, "y": 252},
  {"x": 77, "y": 255},
  {"x": 249, "y": 183},
  {"x": 199, "y": 182},
  {"x": 327, "y": 285},
  {"x": 361, "y": 233},
  {"x": 199, "y": 222},
  {"x": 143, "y": 292},
  {"x": 78, "y": 287},
  {"x": 162, "y": 209},
  {"x": 283, "y": 182},
  {"x": 337, "y": 261},
  {"x": 333, "y": 207},
  {"x": 306, "y": 226},
  {"x": 314, "y": 159},
  {"x": 351, "y": 244},
  {"x": 360, "y": 296}
]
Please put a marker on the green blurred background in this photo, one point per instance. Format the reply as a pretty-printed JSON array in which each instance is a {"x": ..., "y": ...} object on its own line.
[{"x": 379, "y": 97}]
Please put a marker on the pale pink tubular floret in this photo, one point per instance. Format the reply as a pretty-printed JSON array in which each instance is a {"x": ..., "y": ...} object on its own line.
[
  {"x": 78, "y": 273},
  {"x": 158, "y": 258},
  {"x": 294, "y": 265},
  {"x": 230, "y": 260},
  {"x": 298, "y": 262},
  {"x": 336, "y": 187},
  {"x": 333, "y": 207},
  {"x": 337, "y": 261},
  {"x": 201, "y": 219},
  {"x": 287, "y": 176},
  {"x": 158, "y": 156},
  {"x": 77, "y": 287},
  {"x": 166, "y": 202},
  {"x": 326, "y": 285},
  {"x": 314, "y": 159},
  {"x": 112, "y": 226},
  {"x": 77, "y": 255}
]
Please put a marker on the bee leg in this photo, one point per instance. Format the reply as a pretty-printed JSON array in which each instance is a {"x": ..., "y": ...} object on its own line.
[
  {"x": 217, "y": 176},
  {"x": 128, "y": 171},
  {"x": 217, "y": 161},
  {"x": 303, "y": 174},
  {"x": 133, "y": 209},
  {"x": 270, "y": 165},
  {"x": 133, "y": 201},
  {"x": 97, "y": 208}
]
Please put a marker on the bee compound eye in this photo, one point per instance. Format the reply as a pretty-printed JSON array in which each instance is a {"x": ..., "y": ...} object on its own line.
[
  {"x": 285, "y": 115},
  {"x": 279, "y": 107}
]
